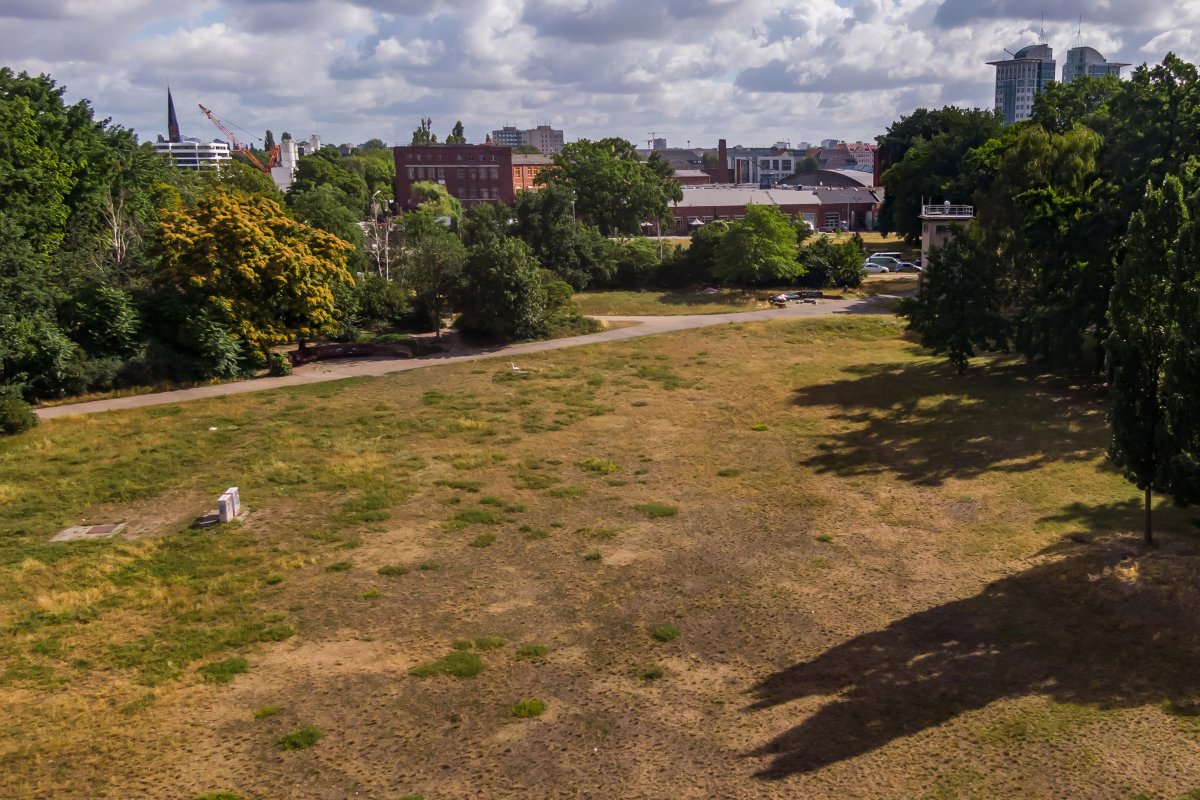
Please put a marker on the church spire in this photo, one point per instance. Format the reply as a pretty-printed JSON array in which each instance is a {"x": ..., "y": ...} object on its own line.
[{"x": 172, "y": 120}]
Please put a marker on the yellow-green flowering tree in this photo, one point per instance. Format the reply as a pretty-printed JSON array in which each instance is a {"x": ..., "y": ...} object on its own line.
[{"x": 271, "y": 278}]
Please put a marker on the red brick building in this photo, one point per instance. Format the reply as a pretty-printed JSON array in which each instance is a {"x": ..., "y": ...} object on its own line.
[
  {"x": 473, "y": 173},
  {"x": 525, "y": 168}
]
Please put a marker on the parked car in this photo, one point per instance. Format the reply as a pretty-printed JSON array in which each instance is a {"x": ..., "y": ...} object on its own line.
[
  {"x": 890, "y": 260},
  {"x": 871, "y": 268},
  {"x": 906, "y": 266}
]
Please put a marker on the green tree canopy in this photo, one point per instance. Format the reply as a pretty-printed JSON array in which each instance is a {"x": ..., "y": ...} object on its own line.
[
  {"x": 758, "y": 248},
  {"x": 575, "y": 251},
  {"x": 614, "y": 189},
  {"x": 922, "y": 156},
  {"x": 502, "y": 295}
]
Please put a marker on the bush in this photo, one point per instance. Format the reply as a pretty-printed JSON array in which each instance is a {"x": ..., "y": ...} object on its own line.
[
  {"x": 279, "y": 366},
  {"x": 832, "y": 264},
  {"x": 16, "y": 416},
  {"x": 102, "y": 320},
  {"x": 502, "y": 296},
  {"x": 636, "y": 261},
  {"x": 383, "y": 303}
]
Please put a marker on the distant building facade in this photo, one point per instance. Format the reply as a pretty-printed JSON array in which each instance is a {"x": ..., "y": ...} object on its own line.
[
  {"x": 473, "y": 173},
  {"x": 1087, "y": 61},
  {"x": 1019, "y": 79},
  {"x": 508, "y": 136},
  {"x": 822, "y": 208},
  {"x": 543, "y": 137},
  {"x": 195, "y": 154}
]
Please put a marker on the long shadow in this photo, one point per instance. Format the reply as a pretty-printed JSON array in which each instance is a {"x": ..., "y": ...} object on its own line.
[
  {"x": 1097, "y": 625},
  {"x": 925, "y": 424}
]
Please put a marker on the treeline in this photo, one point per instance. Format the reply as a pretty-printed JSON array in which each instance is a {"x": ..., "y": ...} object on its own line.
[
  {"x": 1085, "y": 252},
  {"x": 119, "y": 270}
]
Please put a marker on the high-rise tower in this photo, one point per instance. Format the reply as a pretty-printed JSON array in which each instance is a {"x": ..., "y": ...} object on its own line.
[{"x": 1020, "y": 78}]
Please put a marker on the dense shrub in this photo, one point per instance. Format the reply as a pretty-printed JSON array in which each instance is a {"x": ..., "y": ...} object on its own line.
[
  {"x": 828, "y": 263},
  {"x": 103, "y": 320},
  {"x": 383, "y": 303},
  {"x": 15, "y": 415},
  {"x": 502, "y": 295}
]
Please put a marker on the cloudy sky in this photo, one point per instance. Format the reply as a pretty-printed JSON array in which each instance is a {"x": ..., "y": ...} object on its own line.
[{"x": 752, "y": 71}]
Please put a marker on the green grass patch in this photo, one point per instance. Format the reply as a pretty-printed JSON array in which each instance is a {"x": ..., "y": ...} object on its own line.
[
  {"x": 429, "y": 566},
  {"x": 825, "y": 537},
  {"x": 371, "y": 594},
  {"x": 262, "y": 712},
  {"x": 462, "y": 486},
  {"x": 665, "y": 633},
  {"x": 728, "y": 472},
  {"x": 473, "y": 516},
  {"x": 300, "y": 739},
  {"x": 760, "y": 427},
  {"x": 532, "y": 651},
  {"x": 657, "y": 510},
  {"x": 457, "y": 664},
  {"x": 592, "y": 556},
  {"x": 338, "y": 566},
  {"x": 392, "y": 570},
  {"x": 652, "y": 673},
  {"x": 527, "y": 709},
  {"x": 489, "y": 643},
  {"x": 482, "y": 540},
  {"x": 218, "y": 796},
  {"x": 599, "y": 466},
  {"x": 224, "y": 671}
]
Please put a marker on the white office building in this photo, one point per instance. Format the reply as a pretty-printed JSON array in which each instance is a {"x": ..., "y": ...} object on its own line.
[
  {"x": 195, "y": 154},
  {"x": 1083, "y": 61}
]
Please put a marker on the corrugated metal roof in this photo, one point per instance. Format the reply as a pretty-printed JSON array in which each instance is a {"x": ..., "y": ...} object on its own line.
[{"x": 709, "y": 196}]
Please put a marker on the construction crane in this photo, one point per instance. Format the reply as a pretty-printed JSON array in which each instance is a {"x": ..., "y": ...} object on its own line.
[{"x": 273, "y": 159}]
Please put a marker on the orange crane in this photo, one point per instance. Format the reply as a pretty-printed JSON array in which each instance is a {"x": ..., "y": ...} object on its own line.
[{"x": 273, "y": 159}]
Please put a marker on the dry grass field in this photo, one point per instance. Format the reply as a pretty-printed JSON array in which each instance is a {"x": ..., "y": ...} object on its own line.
[{"x": 789, "y": 559}]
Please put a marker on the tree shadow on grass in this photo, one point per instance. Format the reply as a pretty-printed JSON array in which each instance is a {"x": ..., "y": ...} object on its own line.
[
  {"x": 1106, "y": 626},
  {"x": 925, "y": 424}
]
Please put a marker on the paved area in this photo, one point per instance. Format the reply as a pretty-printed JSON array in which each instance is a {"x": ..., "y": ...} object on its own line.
[{"x": 351, "y": 368}]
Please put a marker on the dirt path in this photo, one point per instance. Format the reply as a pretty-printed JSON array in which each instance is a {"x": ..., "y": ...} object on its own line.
[{"x": 351, "y": 367}]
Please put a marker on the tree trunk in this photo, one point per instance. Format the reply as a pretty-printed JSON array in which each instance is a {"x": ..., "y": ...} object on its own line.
[{"x": 1149, "y": 530}]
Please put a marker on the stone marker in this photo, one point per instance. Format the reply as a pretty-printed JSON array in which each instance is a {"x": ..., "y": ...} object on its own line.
[
  {"x": 88, "y": 532},
  {"x": 229, "y": 508}
]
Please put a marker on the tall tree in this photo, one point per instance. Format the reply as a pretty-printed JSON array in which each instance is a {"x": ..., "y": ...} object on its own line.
[
  {"x": 456, "y": 135},
  {"x": 1143, "y": 325},
  {"x": 424, "y": 133},
  {"x": 268, "y": 141},
  {"x": 433, "y": 264},
  {"x": 957, "y": 311}
]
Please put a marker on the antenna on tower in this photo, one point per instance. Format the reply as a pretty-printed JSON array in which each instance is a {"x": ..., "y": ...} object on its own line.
[
  {"x": 1079, "y": 33},
  {"x": 1042, "y": 30}
]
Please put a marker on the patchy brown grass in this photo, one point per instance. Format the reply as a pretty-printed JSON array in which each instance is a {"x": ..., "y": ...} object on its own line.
[{"x": 927, "y": 579}]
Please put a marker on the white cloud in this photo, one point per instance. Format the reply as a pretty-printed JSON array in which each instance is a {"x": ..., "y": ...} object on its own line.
[{"x": 751, "y": 71}]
